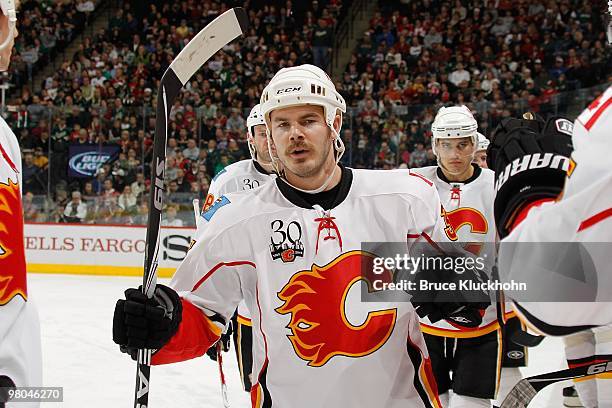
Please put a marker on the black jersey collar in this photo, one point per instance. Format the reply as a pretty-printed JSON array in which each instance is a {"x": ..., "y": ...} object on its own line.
[
  {"x": 477, "y": 171},
  {"x": 260, "y": 168},
  {"x": 326, "y": 199}
]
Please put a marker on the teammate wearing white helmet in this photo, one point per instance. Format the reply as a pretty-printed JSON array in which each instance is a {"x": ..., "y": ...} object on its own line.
[
  {"x": 466, "y": 192},
  {"x": 20, "y": 350},
  {"x": 480, "y": 156},
  {"x": 243, "y": 175},
  {"x": 292, "y": 250}
]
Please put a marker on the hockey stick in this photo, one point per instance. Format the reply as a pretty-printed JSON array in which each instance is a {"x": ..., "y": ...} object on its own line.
[
  {"x": 204, "y": 45},
  {"x": 522, "y": 338},
  {"x": 526, "y": 389},
  {"x": 196, "y": 209}
]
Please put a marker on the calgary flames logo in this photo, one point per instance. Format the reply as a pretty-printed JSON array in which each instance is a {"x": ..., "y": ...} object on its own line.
[
  {"x": 12, "y": 258},
  {"x": 463, "y": 216},
  {"x": 316, "y": 298}
]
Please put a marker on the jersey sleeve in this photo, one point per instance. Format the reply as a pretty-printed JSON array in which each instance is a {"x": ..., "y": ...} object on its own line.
[
  {"x": 220, "y": 185},
  {"x": 428, "y": 220},
  {"x": 209, "y": 281}
]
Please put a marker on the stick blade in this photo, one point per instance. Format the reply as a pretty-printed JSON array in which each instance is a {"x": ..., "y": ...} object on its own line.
[
  {"x": 216, "y": 35},
  {"x": 520, "y": 396}
]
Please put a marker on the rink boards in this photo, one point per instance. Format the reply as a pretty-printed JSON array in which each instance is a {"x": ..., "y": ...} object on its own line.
[{"x": 101, "y": 249}]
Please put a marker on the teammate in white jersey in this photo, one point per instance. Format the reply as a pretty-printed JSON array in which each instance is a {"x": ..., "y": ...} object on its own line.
[
  {"x": 243, "y": 175},
  {"x": 20, "y": 351},
  {"x": 551, "y": 199},
  {"x": 292, "y": 250},
  {"x": 467, "y": 193},
  {"x": 480, "y": 156}
]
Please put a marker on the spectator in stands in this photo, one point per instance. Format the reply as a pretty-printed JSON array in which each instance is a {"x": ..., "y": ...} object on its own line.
[
  {"x": 127, "y": 200},
  {"x": 322, "y": 43},
  {"x": 40, "y": 160},
  {"x": 418, "y": 158},
  {"x": 191, "y": 152},
  {"x": 171, "y": 220},
  {"x": 106, "y": 92},
  {"x": 235, "y": 123},
  {"x": 31, "y": 174},
  {"x": 459, "y": 77},
  {"x": 76, "y": 210},
  {"x": 30, "y": 210}
]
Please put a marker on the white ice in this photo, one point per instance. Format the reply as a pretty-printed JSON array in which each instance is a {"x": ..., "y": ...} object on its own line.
[{"x": 80, "y": 356}]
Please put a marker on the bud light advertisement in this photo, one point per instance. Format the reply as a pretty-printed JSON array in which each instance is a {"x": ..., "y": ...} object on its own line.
[{"x": 86, "y": 160}]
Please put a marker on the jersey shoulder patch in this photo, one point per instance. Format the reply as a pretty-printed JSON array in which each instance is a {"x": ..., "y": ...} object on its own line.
[{"x": 208, "y": 213}]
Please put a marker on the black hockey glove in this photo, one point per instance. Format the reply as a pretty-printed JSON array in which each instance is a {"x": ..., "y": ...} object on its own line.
[
  {"x": 6, "y": 383},
  {"x": 461, "y": 307},
  {"x": 530, "y": 158},
  {"x": 226, "y": 339},
  {"x": 143, "y": 323}
]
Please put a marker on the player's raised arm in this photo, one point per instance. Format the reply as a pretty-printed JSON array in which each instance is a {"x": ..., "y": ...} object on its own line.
[{"x": 184, "y": 319}]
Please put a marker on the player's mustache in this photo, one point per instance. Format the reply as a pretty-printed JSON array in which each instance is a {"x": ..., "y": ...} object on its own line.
[{"x": 297, "y": 146}]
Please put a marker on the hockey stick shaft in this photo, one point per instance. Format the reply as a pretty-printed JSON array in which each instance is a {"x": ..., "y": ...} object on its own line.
[
  {"x": 204, "y": 45},
  {"x": 526, "y": 389},
  {"x": 196, "y": 209}
]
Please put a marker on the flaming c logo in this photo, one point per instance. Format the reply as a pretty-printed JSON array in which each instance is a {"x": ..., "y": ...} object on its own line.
[
  {"x": 316, "y": 298},
  {"x": 12, "y": 258},
  {"x": 465, "y": 216}
]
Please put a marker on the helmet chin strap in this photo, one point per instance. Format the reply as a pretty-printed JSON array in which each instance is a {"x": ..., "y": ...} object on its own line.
[
  {"x": 338, "y": 146},
  {"x": 268, "y": 165}
]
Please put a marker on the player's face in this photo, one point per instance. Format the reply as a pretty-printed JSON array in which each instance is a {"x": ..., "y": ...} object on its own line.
[
  {"x": 261, "y": 143},
  {"x": 5, "y": 55},
  {"x": 455, "y": 155},
  {"x": 480, "y": 158},
  {"x": 302, "y": 139}
]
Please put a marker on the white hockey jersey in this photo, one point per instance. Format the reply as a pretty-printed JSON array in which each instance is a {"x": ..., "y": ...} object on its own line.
[
  {"x": 20, "y": 354},
  {"x": 469, "y": 211},
  {"x": 582, "y": 214},
  {"x": 317, "y": 344},
  {"x": 243, "y": 175}
]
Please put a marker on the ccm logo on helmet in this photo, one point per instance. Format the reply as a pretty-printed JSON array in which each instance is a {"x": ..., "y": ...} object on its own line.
[{"x": 289, "y": 90}]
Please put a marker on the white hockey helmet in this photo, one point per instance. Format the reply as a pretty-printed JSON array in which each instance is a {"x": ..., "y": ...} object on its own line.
[
  {"x": 452, "y": 123},
  {"x": 483, "y": 142},
  {"x": 304, "y": 85},
  {"x": 255, "y": 118},
  {"x": 9, "y": 10}
]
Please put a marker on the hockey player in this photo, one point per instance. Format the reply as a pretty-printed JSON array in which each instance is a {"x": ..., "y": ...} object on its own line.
[
  {"x": 545, "y": 197},
  {"x": 243, "y": 175},
  {"x": 292, "y": 250},
  {"x": 466, "y": 192},
  {"x": 20, "y": 351},
  {"x": 480, "y": 156}
]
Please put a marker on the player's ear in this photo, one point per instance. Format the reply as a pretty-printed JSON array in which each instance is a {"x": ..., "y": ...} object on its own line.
[{"x": 337, "y": 122}]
